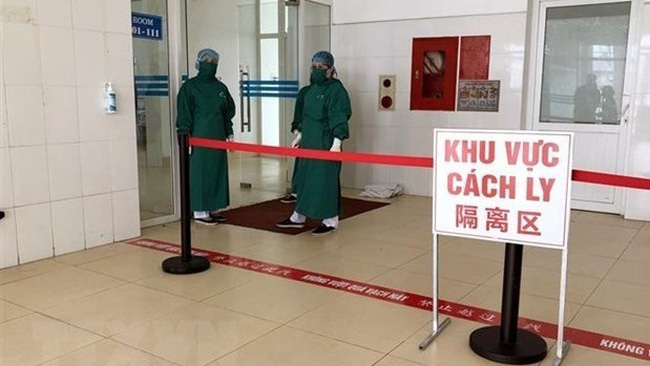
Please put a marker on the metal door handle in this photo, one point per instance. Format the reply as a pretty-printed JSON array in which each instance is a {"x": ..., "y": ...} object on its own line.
[{"x": 245, "y": 115}]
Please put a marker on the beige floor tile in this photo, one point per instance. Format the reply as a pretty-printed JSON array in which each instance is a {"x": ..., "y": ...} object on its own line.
[
  {"x": 613, "y": 323},
  {"x": 457, "y": 326},
  {"x": 474, "y": 248},
  {"x": 471, "y": 270},
  {"x": 643, "y": 236},
  {"x": 34, "y": 339},
  {"x": 292, "y": 347},
  {"x": 530, "y": 306},
  {"x": 377, "y": 325},
  {"x": 226, "y": 238},
  {"x": 579, "y": 263},
  {"x": 342, "y": 267},
  {"x": 638, "y": 251},
  {"x": 115, "y": 310},
  {"x": 54, "y": 288},
  {"x": 376, "y": 252},
  {"x": 94, "y": 254},
  {"x": 9, "y": 311},
  {"x": 630, "y": 272},
  {"x": 468, "y": 269},
  {"x": 195, "y": 335},
  {"x": 447, "y": 349},
  {"x": 200, "y": 286},
  {"x": 422, "y": 264},
  {"x": 422, "y": 284},
  {"x": 130, "y": 266},
  {"x": 597, "y": 219},
  {"x": 623, "y": 297},
  {"x": 108, "y": 353},
  {"x": 544, "y": 283},
  {"x": 583, "y": 356},
  {"x": 278, "y": 253},
  {"x": 602, "y": 240},
  {"x": 277, "y": 299},
  {"x": 415, "y": 233},
  {"x": 394, "y": 361},
  {"x": 29, "y": 270}
]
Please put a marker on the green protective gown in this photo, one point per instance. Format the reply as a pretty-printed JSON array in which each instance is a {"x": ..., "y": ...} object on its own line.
[
  {"x": 206, "y": 109},
  {"x": 322, "y": 113}
]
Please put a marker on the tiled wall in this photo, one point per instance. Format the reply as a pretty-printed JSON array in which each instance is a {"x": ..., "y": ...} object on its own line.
[
  {"x": 363, "y": 51},
  {"x": 367, "y": 44},
  {"x": 68, "y": 170}
]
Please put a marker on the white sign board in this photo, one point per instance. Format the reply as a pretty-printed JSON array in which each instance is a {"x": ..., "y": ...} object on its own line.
[{"x": 506, "y": 186}]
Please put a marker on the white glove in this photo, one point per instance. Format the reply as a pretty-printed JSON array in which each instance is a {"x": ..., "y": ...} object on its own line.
[
  {"x": 336, "y": 145},
  {"x": 230, "y": 138},
  {"x": 296, "y": 142}
]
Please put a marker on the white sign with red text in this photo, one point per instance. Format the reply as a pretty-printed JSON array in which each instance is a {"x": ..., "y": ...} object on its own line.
[{"x": 506, "y": 186}]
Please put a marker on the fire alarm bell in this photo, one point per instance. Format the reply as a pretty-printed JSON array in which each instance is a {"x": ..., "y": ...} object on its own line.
[{"x": 386, "y": 92}]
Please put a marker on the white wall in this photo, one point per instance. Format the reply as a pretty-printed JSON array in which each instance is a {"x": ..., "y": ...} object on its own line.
[
  {"x": 68, "y": 171},
  {"x": 637, "y": 202},
  {"x": 363, "y": 51},
  {"x": 356, "y": 11}
]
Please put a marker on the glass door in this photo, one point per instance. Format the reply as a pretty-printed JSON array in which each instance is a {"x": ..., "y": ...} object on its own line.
[
  {"x": 153, "y": 117},
  {"x": 262, "y": 49},
  {"x": 267, "y": 92},
  {"x": 583, "y": 61}
]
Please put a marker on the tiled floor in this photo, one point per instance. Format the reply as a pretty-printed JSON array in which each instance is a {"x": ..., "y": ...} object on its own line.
[{"x": 113, "y": 305}]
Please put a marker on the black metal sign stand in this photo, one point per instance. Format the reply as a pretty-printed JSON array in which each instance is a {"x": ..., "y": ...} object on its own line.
[
  {"x": 186, "y": 263},
  {"x": 506, "y": 343}
]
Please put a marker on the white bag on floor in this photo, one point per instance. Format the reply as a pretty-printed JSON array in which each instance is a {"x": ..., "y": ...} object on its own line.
[{"x": 382, "y": 190}]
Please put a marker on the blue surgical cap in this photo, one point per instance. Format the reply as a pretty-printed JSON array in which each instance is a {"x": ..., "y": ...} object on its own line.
[
  {"x": 324, "y": 58},
  {"x": 206, "y": 52}
]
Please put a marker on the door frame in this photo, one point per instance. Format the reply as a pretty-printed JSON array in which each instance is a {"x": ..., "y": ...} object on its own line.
[
  {"x": 533, "y": 68},
  {"x": 174, "y": 45}
]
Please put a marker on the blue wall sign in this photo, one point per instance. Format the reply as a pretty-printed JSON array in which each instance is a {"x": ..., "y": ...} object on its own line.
[{"x": 146, "y": 26}]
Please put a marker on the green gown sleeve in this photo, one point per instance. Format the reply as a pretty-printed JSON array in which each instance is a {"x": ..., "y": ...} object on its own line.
[
  {"x": 184, "y": 120},
  {"x": 339, "y": 112},
  {"x": 296, "y": 125},
  {"x": 230, "y": 113}
]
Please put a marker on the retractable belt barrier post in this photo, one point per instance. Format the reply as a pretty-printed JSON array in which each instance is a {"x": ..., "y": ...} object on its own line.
[
  {"x": 505, "y": 343},
  {"x": 186, "y": 263}
]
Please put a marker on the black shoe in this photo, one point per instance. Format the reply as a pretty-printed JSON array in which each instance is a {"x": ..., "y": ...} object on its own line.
[
  {"x": 207, "y": 221},
  {"x": 323, "y": 229},
  {"x": 218, "y": 218},
  {"x": 289, "y": 199},
  {"x": 290, "y": 224}
]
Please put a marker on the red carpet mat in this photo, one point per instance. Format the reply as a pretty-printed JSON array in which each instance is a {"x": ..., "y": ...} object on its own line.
[{"x": 264, "y": 216}]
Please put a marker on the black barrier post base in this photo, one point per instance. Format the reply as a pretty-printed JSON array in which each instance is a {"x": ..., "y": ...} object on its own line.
[
  {"x": 530, "y": 348},
  {"x": 186, "y": 263},
  {"x": 506, "y": 343},
  {"x": 176, "y": 265}
]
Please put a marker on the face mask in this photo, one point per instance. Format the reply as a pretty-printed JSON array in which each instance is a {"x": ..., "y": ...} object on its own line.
[
  {"x": 207, "y": 68},
  {"x": 318, "y": 76}
]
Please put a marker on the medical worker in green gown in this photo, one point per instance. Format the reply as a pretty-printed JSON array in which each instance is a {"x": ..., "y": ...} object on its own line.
[
  {"x": 206, "y": 109},
  {"x": 320, "y": 122}
]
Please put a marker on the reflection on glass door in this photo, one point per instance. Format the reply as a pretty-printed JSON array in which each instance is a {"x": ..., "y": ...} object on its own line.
[
  {"x": 151, "y": 69},
  {"x": 582, "y": 63}
]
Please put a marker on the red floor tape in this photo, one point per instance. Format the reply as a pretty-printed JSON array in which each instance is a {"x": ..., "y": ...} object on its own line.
[{"x": 585, "y": 338}]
